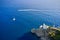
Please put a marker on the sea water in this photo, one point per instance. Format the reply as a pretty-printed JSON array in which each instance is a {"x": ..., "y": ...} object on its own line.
[{"x": 24, "y": 22}]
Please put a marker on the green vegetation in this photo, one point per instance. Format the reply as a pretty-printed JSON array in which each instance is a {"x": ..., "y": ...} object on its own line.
[
  {"x": 55, "y": 33},
  {"x": 57, "y": 37}
]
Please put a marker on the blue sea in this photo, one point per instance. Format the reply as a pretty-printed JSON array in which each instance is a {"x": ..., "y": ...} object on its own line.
[{"x": 25, "y": 21}]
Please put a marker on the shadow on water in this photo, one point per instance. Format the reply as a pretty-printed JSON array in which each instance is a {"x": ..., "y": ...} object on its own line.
[{"x": 28, "y": 36}]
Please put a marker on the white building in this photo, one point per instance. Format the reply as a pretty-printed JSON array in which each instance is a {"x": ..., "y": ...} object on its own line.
[{"x": 44, "y": 26}]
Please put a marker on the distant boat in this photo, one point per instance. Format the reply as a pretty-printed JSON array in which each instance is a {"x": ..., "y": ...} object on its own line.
[{"x": 14, "y": 19}]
